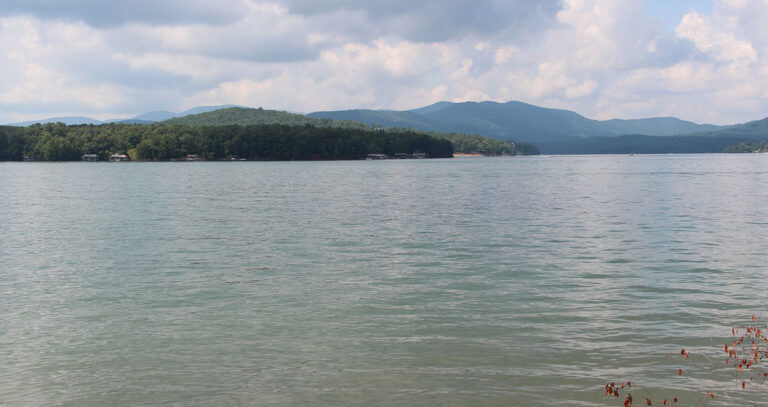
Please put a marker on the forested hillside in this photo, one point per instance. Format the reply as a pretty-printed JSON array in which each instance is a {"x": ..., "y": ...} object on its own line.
[
  {"x": 59, "y": 142},
  {"x": 245, "y": 116},
  {"x": 748, "y": 147},
  {"x": 754, "y": 130}
]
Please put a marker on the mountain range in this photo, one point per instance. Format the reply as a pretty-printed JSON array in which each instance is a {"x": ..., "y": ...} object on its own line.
[
  {"x": 504, "y": 121},
  {"x": 515, "y": 121},
  {"x": 553, "y": 130},
  {"x": 144, "y": 118}
]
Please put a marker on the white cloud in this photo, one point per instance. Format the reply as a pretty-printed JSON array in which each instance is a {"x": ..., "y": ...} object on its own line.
[
  {"x": 602, "y": 58},
  {"x": 722, "y": 45},
  {"x": 380, "y": 75},
  {"x": 46, "y": 87},
  {"x": 32, "y": 74}
]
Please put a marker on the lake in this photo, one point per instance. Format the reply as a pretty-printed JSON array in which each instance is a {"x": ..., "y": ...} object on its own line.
[{"x": 511, "y": 281}]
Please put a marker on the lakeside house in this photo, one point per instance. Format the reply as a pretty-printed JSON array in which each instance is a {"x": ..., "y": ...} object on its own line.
[
  {"x": 90, "y": 157},
  {"x": 118, "y": 157},
  {"x": 407, "y": 156},
  {"x": 397, "y": 156}
]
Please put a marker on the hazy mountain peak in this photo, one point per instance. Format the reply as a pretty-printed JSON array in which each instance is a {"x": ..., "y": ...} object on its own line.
[
  {"x": 431, "y": 108},
  {"x": 514, "y": 120},
  {"x": 68, "y": 120},
  {"x": 155, "y": 116},
  {"x": 148, "y": 117}
]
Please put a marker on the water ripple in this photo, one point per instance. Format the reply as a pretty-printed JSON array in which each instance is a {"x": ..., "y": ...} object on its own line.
[{"x": 508, "y": 281}]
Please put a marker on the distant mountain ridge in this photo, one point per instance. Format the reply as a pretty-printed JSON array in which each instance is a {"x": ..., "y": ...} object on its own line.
[
  {"x": 245, "y": 116},
  {"x": 756, "y": 129},
  {"x": 552, "y": 131},
  {"x": 68, "y": 120},
  {"x": 512, "y": 120},
  {"x": 144, "y": 118},
  {"x": 515, "y": 121},
  {"x": 716, "y": 141}
]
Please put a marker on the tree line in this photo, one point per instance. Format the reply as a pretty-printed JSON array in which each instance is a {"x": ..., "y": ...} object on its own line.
[
  {"x": 472, "y": 143},
  {"x": 59, "y": 142},
  {"x": 462, "y": 143},
  {"x": 748, "y": 147},
  {"x": 641, "y": 144}
]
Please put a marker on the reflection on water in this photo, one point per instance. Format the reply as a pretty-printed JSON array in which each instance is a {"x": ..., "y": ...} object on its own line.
[{"x": 506, "y": 281}]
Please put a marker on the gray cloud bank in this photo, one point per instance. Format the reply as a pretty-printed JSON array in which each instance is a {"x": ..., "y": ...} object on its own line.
[
  {"x": 440, "y": 20},
  {"x": 103, "y": 14}
]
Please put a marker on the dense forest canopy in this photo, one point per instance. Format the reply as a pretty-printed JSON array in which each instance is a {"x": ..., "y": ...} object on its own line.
[
  {"x": 59, "y": 142},
  {"x": 749, "y": 147},
  {"x": 245, "y": 116},
  {"x": 462, "y": 143},
  {"x": 235, "y": 132}
]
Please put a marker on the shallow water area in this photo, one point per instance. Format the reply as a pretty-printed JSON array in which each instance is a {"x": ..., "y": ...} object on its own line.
[{"x": 458, "y": 282}]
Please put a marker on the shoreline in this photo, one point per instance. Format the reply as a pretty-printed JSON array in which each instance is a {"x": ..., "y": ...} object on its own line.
[{"x": 460, "y": 155}]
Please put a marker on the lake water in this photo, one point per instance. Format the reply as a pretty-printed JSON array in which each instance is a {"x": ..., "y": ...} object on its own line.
[{"x": 519, "y": 281}]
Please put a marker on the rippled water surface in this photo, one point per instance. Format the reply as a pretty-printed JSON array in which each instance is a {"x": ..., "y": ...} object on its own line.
[{"x": 463, "y": 282}]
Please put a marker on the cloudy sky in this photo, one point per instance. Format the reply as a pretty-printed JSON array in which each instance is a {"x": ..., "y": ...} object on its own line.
[{"x": 700, "y": 60}]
